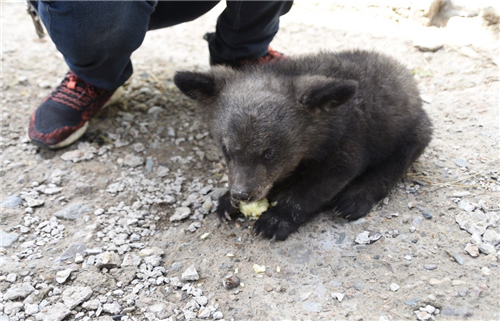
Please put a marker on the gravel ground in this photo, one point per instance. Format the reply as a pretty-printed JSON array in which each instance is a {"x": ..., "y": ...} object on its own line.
[{"x": 119, "y": 225}]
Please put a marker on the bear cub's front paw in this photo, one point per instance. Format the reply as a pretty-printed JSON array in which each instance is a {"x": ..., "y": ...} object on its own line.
[
  {"x": 225, "y": 209},
  {"x": 274, "y": 225}
]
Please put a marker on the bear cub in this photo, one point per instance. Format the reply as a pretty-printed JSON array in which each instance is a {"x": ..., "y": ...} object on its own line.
[{"x": 312, "y": 133}]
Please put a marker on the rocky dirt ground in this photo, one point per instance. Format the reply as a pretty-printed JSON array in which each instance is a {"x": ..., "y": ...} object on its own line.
[{"x": 120, "y": 227}]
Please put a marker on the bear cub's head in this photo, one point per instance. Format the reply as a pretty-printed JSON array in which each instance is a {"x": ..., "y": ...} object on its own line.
[{"x": 265, "y": 123}]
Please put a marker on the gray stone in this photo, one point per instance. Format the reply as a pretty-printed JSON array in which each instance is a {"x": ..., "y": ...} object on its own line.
[
  {"x": 461, "y": 162},
  {"x": 449, "y": 311},
  {"x": 470, "y": 223},
  {"x": 312, "y": 306},
  {"x": 190, "y": 274},
  {"x": 430, "y": 267},
  {"x": 230, "y": 282},
  {"x": 149, "y": 164},
  {"x": 206, "y": 312},
  {"x": 132, "y": 160},
  {"x": 217, "y": 315},
  {"x": 176, "y": 266},
  {"x": 112, "y": 308},
  {"x": 155, "y": 110},
  {"x": 217, "y": 193},
  {"x": 367, "y": 237},
  {"x": 487, "y": 248},
  {"x": 201, "y": 300},
  {"x": 7, "y": 239},
  {"x": 12, "y": 201},
  {"x": 412, "y": 302},
  {"x": 359, "y": 286},
  {"x": 11, "y": 277},
  {"x": 162, "y": 171},
  {"x": 180, "y": 214},
  {"x": 31, "y": 309},
  {"x": 394, "y": 287},
  {"x": 338, "y": 296},
  {"x": 71, "y": 252},
  {"x": 107, "y": 260},
  {"x": 91, "y": 304},
  {"x": 459, "y": 258},
  {"x": 56, "y": 312},
  {"x": 423, "y": 315},
  {"x": 425, "y": 212},
  {"x": 62, "y": 276},
  {"x": 12, "y": 308},
  {"x": 188, "y": 314},
  {"x": 476, "y": 238},
  {"x": 472, "y": 249},
  {"x": 74, "y": 211},
  {"x": 131, "y": 260},
  {"x": 32, "y": 202},
  {"x": 73, "y": 296},
  {"x": 428, "y": 308},
  {"x": 491, "y": 237},
  {"x": 466, "y": 206},
  {"x": 18, "y": 291}
]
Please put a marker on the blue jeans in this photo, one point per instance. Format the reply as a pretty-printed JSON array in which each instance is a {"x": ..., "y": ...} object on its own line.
[{"x": 97, "y": 38}]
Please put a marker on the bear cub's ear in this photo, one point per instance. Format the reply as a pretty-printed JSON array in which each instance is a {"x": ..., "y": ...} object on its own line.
[
  {"x": 195, "y": 85},
  {"x": 201, "y": 86},
  {"x": 321, "y": 91}
]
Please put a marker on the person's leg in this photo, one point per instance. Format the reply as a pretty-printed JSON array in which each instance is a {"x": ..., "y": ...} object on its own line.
[
  {"x": 171, "y": 13},
  {"x": 97, "y": 38},
  {"x": 245, "y": 30}
]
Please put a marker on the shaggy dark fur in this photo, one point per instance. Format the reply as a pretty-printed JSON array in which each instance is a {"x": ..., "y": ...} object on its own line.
[{"x": 331, "y": 130}]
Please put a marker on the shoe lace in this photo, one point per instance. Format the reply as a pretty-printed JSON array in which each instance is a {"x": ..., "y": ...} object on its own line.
[{"x": 75, "y": 91}]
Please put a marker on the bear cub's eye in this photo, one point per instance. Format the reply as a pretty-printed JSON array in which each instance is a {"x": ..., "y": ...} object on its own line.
[{"x": 269, "y": 154}]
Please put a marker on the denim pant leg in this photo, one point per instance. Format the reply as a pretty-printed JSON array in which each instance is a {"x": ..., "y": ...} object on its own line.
[
  {"x": 97, "y": 38},
  {"x": 246, "y": 28}
]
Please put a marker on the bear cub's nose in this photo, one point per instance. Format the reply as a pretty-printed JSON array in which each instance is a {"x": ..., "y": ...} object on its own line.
[{"x": 240, "y": 195}]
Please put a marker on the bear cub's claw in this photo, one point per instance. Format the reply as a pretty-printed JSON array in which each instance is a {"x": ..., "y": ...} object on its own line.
[
  {"x": 225, "y": 208},
  {"x": 272, "y": 225}
]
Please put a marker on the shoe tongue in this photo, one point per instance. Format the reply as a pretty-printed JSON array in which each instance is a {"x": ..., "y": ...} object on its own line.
[{"x": 71, "y": 83}]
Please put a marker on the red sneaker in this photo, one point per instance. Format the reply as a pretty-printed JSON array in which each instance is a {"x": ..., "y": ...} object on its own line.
[
  {"x": 270, "y": 57},
  {"x": 64, "y": 115}
]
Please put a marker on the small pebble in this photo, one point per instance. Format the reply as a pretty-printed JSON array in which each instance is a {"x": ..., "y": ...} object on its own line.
[
  {"x": 268, "y": 288},
  {"x": 190, "y": 274},
  {"x": 461, "y": 162},
  {"x": 231, "y": 282},
  {"x": 338, "y": 296},
  {"x": 460, "y": 259},
  {"x": 487, "y": 248},
  {"x": 394, "y": 287},
  {"x": 472, "y": 249}
]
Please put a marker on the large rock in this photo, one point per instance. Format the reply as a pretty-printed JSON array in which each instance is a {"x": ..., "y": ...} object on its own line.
[
  {"x": 18, "y": 291},
  {"x": 73, "y": 296},
  {"x": 7, "y": 239},
  {"x": 56, "y": 312},
  {"x": 72, "y": 212}
]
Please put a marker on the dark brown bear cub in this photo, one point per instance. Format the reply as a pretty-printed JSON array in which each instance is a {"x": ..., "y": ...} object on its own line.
[{"x": 318, "y": 132}]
